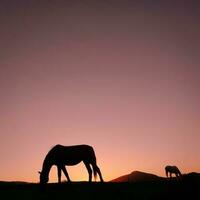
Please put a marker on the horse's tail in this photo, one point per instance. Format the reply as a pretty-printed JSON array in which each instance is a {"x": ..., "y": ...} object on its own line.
[{"x": 94, "y": 164}]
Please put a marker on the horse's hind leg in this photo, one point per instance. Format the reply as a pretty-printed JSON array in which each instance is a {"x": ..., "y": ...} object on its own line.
[
  {"x": 66, "y": 174},
  {"x": 89, "y": 170},
  {"x": 99, "y": 173},
  {"x": 177, "y": 176}
]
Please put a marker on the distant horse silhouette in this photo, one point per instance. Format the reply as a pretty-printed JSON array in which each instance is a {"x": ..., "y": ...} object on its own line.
[
  {"x": 169, "y": 170},
  {"x": 69, "y": 155}
]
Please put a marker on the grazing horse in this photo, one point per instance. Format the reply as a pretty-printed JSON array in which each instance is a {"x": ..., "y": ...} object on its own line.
[
  {"x": 69, "y": 155},
  {"x": 169, "y": 170}
]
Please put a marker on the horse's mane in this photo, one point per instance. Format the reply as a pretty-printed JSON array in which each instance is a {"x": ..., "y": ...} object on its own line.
[
  {"x": 49, "y": 152},
  {"x": 52, "y": 147}
]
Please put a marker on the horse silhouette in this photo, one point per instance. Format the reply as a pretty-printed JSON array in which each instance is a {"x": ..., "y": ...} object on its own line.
[
  {"x": 69, "y": 155},
  {"x": 170, "y": 170}
]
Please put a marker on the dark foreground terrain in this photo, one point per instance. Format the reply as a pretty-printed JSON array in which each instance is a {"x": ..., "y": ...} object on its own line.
[{"x": 165, "y": 189}]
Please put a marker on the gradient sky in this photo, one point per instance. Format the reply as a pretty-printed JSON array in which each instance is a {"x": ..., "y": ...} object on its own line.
[{"x": 122, "y": 76}]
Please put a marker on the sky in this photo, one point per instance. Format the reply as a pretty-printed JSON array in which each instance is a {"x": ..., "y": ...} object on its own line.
[{"x": 122, "y": 76}]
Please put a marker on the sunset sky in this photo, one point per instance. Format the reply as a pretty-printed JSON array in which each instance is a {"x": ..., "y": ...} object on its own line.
[{"x": 122, "y": 76}]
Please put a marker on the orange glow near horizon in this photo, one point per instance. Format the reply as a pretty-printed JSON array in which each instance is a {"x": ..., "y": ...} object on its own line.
[{"x": 121, "y": 77}]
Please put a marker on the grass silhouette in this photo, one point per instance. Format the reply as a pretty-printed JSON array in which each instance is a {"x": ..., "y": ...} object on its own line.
[{"x": 165, "y": 189}]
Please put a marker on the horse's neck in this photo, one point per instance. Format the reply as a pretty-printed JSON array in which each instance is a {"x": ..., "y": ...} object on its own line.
[{"x": 46, "y": 166}]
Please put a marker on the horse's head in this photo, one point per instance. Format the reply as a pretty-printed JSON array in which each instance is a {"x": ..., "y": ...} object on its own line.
[{"x": 44, "y": 178}]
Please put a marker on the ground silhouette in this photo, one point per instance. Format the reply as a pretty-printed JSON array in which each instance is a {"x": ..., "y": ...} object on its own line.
[
  {"x": 69, "y": 155},
  {"x": 166, "y": 189}
]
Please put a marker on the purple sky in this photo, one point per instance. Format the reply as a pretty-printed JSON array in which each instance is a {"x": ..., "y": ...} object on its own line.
[{"x": 122, "y": 77}]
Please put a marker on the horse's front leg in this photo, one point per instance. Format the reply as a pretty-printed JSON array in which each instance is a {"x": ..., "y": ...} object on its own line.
[
  {"x": 66, "y": 174},
  {"x": 167, "y": 173},
  {"x": 59, "y": 174}
]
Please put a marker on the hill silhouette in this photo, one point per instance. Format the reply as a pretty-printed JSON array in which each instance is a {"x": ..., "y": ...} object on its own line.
[{"x": 137, "y": 176}]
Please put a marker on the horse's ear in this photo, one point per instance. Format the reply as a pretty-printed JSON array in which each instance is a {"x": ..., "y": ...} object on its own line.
[{"x": 39, "y": 172}]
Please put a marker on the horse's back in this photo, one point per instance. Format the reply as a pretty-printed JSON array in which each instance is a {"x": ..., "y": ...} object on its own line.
[
  {"x": 82, "y": 147},
  {"x": 171, "y": 168},
  {"x": 83, "y": 151},
  {"x": 75, "y": 153}
]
